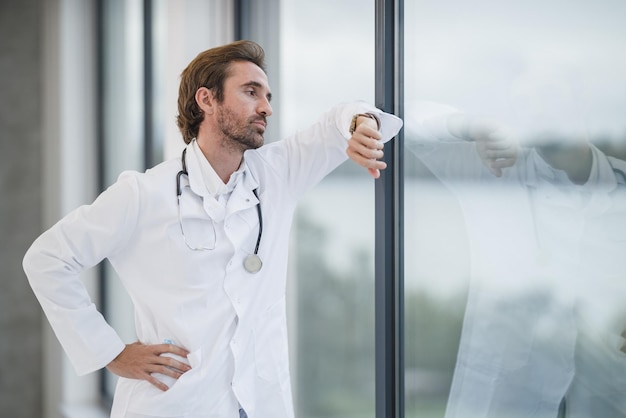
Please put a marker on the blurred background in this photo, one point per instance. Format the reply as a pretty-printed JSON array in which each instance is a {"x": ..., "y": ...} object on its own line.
[{"x": 88, "y": 89}]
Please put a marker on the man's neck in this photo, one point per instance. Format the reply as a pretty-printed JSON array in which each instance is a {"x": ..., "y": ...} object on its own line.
[{"x": 224, "y": 159}]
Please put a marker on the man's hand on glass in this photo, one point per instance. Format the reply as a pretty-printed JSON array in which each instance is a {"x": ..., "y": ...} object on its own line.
[{"x": 365, "y": 147}]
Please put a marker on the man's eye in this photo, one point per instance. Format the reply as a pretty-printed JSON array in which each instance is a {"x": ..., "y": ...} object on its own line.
[{"x": 251, "y": 92}]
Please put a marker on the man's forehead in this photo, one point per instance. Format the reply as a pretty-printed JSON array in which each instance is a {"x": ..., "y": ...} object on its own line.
[{"x": 247, "y": 73}]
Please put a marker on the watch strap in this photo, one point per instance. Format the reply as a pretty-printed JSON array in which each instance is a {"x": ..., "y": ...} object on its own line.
[{"x": 365, "y": 115}]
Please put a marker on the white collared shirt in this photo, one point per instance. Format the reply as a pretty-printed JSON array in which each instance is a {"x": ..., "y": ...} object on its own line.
[{"x": 214, "y": 184}]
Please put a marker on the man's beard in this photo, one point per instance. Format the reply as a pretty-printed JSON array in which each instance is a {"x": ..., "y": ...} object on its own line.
[{"x": 240, "y": 134}]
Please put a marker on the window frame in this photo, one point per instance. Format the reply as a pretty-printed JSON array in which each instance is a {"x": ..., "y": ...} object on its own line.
[{"x": 389, "y": 195}]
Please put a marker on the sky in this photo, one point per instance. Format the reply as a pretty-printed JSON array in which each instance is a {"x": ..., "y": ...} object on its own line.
[{"x": 470, "y": 54}]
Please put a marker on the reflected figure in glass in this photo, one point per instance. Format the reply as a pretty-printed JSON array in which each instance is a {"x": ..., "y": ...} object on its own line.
[{"x": 544, "y": 210}]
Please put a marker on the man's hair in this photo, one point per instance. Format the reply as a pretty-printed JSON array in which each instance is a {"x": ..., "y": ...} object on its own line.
[{"x": 210, "y": 69}]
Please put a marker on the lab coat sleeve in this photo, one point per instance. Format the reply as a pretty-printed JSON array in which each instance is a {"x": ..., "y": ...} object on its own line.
[
  {"x": 427, "y": 137},
  {"x": 341, "y": 118},
  {"x": 314, "y": 152},
  {"x": 55, "y": 260}
]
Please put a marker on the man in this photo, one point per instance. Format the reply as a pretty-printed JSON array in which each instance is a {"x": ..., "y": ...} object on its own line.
[{"x": 205, "y": 267}]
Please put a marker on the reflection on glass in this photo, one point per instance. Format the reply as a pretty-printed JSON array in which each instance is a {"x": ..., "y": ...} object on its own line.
[{"x": 523, "y": 132}]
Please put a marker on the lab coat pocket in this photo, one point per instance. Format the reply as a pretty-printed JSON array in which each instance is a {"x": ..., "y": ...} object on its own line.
[
  {"x": 194, "y": 229},
  {"x": 243, "y": 229},
  {"x": 193, "y": 233},
  {"x": 181, "y": 397},
  {"x": 270, "y": 345}
]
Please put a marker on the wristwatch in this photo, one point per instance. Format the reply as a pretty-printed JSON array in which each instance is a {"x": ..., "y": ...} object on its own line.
[{"x": 365, "y": 115}]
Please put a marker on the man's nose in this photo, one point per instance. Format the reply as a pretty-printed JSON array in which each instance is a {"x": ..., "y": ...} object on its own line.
[{"x": 265, "y": 108}]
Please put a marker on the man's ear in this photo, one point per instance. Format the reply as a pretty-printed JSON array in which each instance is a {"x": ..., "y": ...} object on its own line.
[{"x": 205, "y": 100}]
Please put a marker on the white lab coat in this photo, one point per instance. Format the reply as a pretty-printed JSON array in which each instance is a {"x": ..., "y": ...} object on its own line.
[
  {"x": 543, "y": 317},
  {"x": 232, "y": 322}
]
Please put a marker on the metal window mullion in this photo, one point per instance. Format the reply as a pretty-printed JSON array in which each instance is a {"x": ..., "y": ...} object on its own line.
[
  {"x": 148, "y": 84},
  {"x": 389, "y": 211},
  {"x": 100, "y": 164},
  {"x": 242, "y": 19}
]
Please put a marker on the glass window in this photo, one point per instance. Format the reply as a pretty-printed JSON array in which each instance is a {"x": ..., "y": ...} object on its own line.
[
  {"x": 327, "y": 57},
  {"x": 514, "y": 233}
]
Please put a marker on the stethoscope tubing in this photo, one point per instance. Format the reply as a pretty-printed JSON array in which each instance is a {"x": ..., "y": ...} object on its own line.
[{"x": 183, "y": 172}]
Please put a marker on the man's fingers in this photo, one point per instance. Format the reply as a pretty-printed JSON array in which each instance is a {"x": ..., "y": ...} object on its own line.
[
  {"x": 374, "y": 172},
  {"x": 159, "y": 349},
  {"x": 156, "y": 382},
  {"x": 172, "y": 363},
  {"x": 366, "y": 140},
  {"x": 367, "y": 152},
  {"x": 368, "y": 128},
  {"x": 139, "y": 361},
  {"x": 165, "y": 370},
  {"x": 363, "y": 149},
  {"x": 366, "y": 161}
]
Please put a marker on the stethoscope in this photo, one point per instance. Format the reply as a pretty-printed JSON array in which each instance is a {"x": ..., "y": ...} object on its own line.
[{"x": 252, "y": 263}]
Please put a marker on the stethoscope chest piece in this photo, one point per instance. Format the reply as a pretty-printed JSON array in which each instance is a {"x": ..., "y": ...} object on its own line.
[{"x": 252, "y": 263}]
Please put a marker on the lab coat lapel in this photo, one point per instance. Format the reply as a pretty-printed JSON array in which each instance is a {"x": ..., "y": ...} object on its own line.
[
  {"x": 196, "y": 182},
  {"x": 212, "y": 208},
  {"x": 243, "y": 196},
  {"x": 241, "y": 214}
]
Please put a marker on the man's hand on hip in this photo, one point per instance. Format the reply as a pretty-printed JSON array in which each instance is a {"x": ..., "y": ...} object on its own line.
[{"x": 140, "y": 361}]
